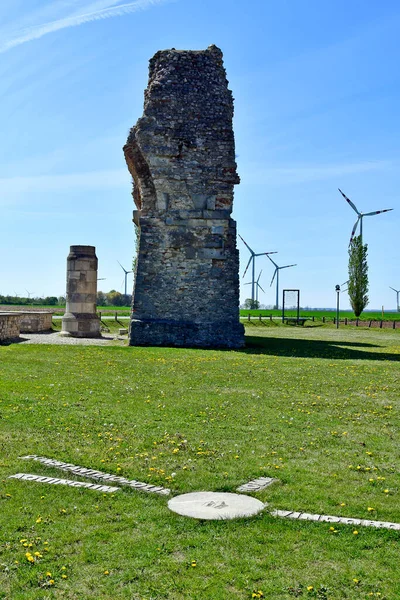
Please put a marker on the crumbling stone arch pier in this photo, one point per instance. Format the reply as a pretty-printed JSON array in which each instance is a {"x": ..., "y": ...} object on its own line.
[{"x": 181, "y": 155}]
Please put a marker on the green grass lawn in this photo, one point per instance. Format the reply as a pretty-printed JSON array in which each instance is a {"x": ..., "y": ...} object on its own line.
[
  {"x": 329, "y": 315},
  {"x": 315, "y": 407}
]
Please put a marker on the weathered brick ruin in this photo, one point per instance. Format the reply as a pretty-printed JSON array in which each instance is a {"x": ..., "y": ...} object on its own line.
[{"x": 181, "y": 155}]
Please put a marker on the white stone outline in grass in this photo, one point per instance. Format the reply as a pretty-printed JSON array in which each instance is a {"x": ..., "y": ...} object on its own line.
[
  {"x": 256, "y": 485},
  {"x": 70, "y": 482},
  {"x": 302, "y": 516},
  {"x": 252, "y": 486},
  {"x": 94, "y": 474}
]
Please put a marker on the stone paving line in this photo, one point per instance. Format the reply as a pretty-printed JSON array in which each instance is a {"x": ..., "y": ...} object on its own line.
[
  {"x": 289, "y": 514},
  {"x": 70, "y": 482},
  {"x": 94, "y": 474},
  {"x": 256, "y": 485}
]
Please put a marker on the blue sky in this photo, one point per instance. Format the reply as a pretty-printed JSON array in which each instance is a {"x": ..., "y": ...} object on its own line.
[{"x": 317, "y": 95}]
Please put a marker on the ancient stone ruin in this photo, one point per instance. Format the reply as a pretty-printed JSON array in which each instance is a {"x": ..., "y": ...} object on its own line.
[
  {"x": 80, "y": 318},
  {"x": 181, "y": 155}
]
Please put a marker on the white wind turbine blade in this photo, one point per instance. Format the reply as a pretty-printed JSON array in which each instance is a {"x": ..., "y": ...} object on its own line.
[
  {"x": 354, "y": 230},
  {"x": 273, "y": 262},
  {"x": 286, "y": 266},
  {"x": 245, "y": 271},
  {"x": 353, "y": 206},
  {"x": 397, "y": 291},
  {"x": 377, "y": 212},
  {"x": 260, "y": 287},
  {"x": 273, "y": 276},
  {"x": 125, "y": 271},
  {"x": 245, "y": 243}
]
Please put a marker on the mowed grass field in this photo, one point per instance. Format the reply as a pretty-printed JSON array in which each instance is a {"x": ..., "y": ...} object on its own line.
[{"x": 317, "y": 408}]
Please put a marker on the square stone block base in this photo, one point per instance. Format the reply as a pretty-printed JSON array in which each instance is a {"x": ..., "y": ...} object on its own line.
[
  {"x": 147, "y": 332},
  {"x": 80, "y": 326}
]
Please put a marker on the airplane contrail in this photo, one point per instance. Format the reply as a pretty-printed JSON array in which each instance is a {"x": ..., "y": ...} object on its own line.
[{"x": 33, "y": 33}]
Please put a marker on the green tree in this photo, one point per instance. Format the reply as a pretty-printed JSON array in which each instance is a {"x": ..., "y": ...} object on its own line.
[
  {"x": 250, "y": 304},
  {"x": 358, "y": 275}
]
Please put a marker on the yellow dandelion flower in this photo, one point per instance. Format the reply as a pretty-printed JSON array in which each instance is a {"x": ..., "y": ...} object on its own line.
[
  {"x": 51, "y": 582},
  {"x": 370, "y": 509},
  {"x": 106, "y": 572},
  {"x": 355, "y": 532},
  {"x": 64, "y": 576},
  {"x": 48, "y": 574},
  {"x": 310, "y": 588}
]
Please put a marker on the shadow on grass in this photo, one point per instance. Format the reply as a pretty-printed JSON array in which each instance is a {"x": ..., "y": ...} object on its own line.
[{"x": 277, "y": 346}]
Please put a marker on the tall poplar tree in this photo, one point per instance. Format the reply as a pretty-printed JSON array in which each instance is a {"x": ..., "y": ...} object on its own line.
[{"x": 358, "y": 275}]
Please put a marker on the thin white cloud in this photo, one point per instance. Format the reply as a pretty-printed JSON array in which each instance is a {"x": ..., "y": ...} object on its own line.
[
  {"x": 35, "y": 32},
  {"x": 307, "y": 173}
]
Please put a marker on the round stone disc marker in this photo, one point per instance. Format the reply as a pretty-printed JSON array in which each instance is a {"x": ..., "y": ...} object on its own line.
[{"x": 215, "y": 505}]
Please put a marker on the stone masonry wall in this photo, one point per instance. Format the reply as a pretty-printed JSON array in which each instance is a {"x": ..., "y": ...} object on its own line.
[
  {"x": 35, "y": 322},
  {"x": 181, "y": 155},
  {"x": 9, "y": 326}
]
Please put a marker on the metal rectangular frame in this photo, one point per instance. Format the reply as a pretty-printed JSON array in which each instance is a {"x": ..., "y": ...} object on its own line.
[{"x": 283, "y": 303}]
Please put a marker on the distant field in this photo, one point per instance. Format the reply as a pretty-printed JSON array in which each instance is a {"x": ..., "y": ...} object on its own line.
[
  {"x": 328, "y": 314},
  {"x": 60, "y": 310},
  {"x": 124, "y": 311}
]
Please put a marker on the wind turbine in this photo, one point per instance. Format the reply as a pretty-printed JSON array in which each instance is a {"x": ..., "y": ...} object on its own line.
[
  {"x": 397, "y": 298},
  {"x": 257, "y": 286},
  {"x": 361, "y": 215},
  {"x": 276, "y": 273},
  {"x": 253, "y": 256},
  {"x": 126, "y": 273}
]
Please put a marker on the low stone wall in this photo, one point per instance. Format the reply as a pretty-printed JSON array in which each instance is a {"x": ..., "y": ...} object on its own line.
[
  {"x": 9, "y": 326},
  {"x": 35, "y": 322}
]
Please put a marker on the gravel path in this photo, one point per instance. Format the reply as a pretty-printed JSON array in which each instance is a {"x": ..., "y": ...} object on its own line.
[{"x": 54, "y": 337}]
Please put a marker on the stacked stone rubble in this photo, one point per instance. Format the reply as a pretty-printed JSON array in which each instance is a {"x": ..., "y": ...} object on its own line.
[{"x": 181, "y": 155}]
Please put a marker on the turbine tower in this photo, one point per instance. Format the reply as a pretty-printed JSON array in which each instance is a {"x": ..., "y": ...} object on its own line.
[
  {"x": 253, "y": 256},
  {"x": 361, "y": 215},
  {"x": 126, "y": 274},
  {"x": 397, "y": 298},
  {"x": 276, "y": 273},
  {"x": 258, "y": 286}
]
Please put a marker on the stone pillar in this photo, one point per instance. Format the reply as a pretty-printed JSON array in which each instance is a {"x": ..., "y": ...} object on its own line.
[
  {"x": 80, "y": 319},
  {"x": 181, "y": 155}
]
